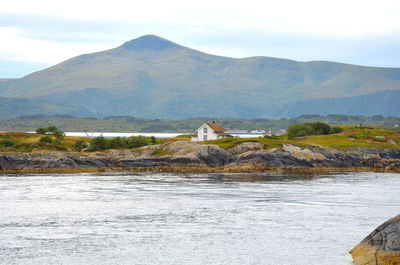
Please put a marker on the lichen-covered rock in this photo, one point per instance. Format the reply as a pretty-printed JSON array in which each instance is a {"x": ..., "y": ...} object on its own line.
[
  {"x": 246, "y": 147},
  {"x": 250, "y": 156},
  {"x": 381, "y": 247},
  {"x": 303, "y": 154}
]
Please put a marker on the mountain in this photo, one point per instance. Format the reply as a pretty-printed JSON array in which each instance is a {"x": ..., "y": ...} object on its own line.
[{"x": 154, "y": 78}]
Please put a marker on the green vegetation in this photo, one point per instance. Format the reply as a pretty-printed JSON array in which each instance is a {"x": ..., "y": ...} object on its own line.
[
  {"x": 189, "y": 125},
  {"x": 6, "y": 141},
  {"x": 355, "y": 137},
  {"x": 28, "y": 142},
  {"x": 108, "y": 83},
  {"x": 314, "y": 128},
  {"x": 101, "y": 143},
  {"x": 230, "y": 142},
  {"x": 46, "y": 139},
  {"x": 79, "y": 145},
  {"x": 158, "y": 152}
]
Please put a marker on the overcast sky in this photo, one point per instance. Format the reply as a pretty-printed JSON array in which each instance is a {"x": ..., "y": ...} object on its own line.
[{"x": 37, "y": 34}]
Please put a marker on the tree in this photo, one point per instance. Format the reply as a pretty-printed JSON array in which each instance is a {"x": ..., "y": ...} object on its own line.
[
  {"x": 320, "y": 128},
  {"x": 51, "y": 129},
  {"x": 59, "y": 135},
  {"x": 98, "y": 144},
  {"x": 79, "y": 145},
  {"x": 41, "y": 130},
  {"x": 313, "y": 128}
]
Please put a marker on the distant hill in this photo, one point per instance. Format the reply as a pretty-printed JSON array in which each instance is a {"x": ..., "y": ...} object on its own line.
[
  {"x": 131, "y": 124},
  {"x": 152, "y": 77}
]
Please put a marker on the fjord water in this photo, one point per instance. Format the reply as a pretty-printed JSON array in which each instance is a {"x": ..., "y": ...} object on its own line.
[{"x": 115, "y": 218}]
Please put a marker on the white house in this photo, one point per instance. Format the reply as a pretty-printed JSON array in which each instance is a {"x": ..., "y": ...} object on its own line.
[{"x": 210, "y": 131}]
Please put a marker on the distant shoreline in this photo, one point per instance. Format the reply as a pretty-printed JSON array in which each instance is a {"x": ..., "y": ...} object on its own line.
[{"x": 196, "y": 170}]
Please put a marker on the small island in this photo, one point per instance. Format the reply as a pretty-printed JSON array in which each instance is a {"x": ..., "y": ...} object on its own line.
[{"x": 309, "y": 147}]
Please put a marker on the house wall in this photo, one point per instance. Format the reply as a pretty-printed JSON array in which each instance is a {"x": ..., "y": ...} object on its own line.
[{"x": 210, "y": 133}]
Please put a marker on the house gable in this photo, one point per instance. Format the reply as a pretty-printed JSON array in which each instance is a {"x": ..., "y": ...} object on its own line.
[{"x": 210, "y": 131}]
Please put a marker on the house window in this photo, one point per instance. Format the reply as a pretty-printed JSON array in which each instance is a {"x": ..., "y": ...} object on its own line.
[
  {"x": 205, "y": 137},
  {"x": 205, "y": 130}
]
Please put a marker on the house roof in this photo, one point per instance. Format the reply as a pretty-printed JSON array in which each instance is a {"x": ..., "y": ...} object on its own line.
[{"x": 216, "y": 127}]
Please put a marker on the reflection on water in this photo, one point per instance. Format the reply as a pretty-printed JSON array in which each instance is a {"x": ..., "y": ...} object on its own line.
[{"x": 120, "y": 218}]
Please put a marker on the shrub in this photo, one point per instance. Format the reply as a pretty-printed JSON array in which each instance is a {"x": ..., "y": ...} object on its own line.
[
  {"x": 320, "y": 128},
  {"x": 51, "y": 129},
  {"x": 45, "y": 139},
  {"x": 272, "y": 136},
  {"x": 313, "y": 128},
  {"x": 115, "y": 143},
  {"x": 137, "y": 141},
  {"x": 59, "y": 135},
  {"x": 98, "y": 144},
  {"x": 7, "y": 142},
  {"x": 41, "y": 130},
  {"x": 336, "y": 129},
  {"x": 79, "y": 145},
  {"x": 158, "y": 152},
  {"x": 299, "y": 130}
]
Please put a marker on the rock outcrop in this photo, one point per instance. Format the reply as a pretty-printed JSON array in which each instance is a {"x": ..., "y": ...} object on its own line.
[
  {"x": 381, "y": 247},
  {"x": 181, "y": 155}
]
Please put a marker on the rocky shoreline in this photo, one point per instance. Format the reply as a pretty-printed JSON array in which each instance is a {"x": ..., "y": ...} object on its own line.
[
  {"x": 382, "y": 246},
  {"x": 181, "y": 156}
]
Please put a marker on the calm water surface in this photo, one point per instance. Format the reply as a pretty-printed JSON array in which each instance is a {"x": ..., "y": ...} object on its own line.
[{"x": 192, "y": 218}]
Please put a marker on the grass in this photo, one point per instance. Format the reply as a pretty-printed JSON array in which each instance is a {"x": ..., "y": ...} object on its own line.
[
  {"x": 372, "y": 137},
  {"x": 230, "y": 142},
  {"x": 29, "y": 142}
]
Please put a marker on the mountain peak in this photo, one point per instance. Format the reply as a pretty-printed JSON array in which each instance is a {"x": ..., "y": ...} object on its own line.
[{"x": 149, "y": 42}]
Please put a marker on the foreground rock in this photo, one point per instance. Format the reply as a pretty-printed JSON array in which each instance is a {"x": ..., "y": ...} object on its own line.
[
  {"x": 187, "y": 156},
  {"x": 381, "y": 247}
]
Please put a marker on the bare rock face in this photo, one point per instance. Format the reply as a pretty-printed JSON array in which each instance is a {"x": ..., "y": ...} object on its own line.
[
  {"x": 302, "y": 154},
  {"x": 245, "y": 157},
  {"x": 246, "y": 147},
  {"x": 381, "y": 247}
]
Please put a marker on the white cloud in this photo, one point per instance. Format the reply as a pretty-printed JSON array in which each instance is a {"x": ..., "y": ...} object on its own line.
[
  {"x": 59, "y": 30},
  {"x": 333, "y": 17},
  {"x": 15, "y": 47}
]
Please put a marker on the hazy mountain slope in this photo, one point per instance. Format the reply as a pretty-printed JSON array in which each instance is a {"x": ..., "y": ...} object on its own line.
[
  {"x": 153, "y": 77},
  {"x": 12, "y": 107},
  {"x": 382, "y": 102}
]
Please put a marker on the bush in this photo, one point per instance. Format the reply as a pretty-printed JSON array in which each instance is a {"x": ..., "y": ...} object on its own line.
[
  {"x": 101, "y": 143},
  {"x": 79, "y": 145},
  {"x": 313, "y": 128},
  {"x": 45, "y": 139},
  {"x": 137, "y": 141},
  {"x": 320, "y": 128},
  {"x": 336, "y": 129},
  {"x": 299, "y": 130},
  {"x": 157, "y": 152},
  {"x": 59, "y": 135},
  {"x": 98, "y": 144},
  {"x": 272, "y": 136},
  {"x": 50, "y": 130},
  {"x": 7, "y": 142},
  {"x": 41, "y": 130}
]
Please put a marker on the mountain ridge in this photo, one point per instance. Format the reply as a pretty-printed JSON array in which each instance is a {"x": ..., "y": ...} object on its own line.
[{"x": 156, "y": 78}]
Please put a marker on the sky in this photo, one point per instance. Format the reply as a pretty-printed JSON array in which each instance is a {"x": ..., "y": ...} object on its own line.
[{"x": 38, "y": 34}]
